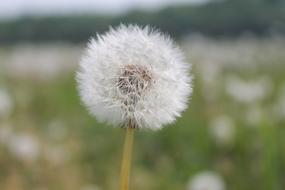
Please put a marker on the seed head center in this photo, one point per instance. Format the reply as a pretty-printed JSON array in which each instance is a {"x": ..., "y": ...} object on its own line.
[{"x": 134, "y": 80}]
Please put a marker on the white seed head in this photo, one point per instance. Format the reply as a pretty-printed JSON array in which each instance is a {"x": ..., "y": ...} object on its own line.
[{"x": 133, "y": 75}]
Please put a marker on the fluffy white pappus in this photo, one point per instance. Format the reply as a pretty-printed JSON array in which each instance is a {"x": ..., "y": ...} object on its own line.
[{"x": 134, "y": 76}]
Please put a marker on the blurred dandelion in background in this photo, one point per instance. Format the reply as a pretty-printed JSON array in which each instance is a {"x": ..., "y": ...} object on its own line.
[
  {"x": 279, "y": 107},
  {"x": 46, "y": 62},
  {"x": 6, "y": 132},
  {"x": 6, "y": 103},
  {"x": 206, "y": 180},
  {"x": 24, "y": 147},
  {"x": 222, "y": 129},
  {"x": 248, "y": 91}
]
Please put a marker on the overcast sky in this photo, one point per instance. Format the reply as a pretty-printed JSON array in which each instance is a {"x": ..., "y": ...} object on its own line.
[{"x": 15, "y": 8}]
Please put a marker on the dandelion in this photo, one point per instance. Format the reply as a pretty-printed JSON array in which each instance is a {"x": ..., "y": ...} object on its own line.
[
  {"x": 134, "y": 77},
  {"x": 206, "y": 180}
]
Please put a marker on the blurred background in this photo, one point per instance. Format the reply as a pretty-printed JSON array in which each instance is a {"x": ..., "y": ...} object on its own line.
[{"x": 232, "y": 137}]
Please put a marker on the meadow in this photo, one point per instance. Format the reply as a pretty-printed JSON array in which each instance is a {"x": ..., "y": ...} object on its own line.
[{"x": 234, "y": 128}]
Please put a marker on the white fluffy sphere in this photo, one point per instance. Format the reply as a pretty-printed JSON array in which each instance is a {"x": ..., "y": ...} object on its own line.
[{"x": 134, "y": 76}]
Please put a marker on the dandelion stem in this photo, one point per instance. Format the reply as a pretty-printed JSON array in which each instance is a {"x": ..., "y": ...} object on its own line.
[{"x": 127, "y": 158}]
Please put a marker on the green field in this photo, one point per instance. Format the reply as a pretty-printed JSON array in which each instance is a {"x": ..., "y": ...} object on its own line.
[{"x": 234, "y": 126}]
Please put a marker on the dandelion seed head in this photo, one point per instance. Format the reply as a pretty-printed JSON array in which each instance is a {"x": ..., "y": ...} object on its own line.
[{"x": 134, "y": 75}]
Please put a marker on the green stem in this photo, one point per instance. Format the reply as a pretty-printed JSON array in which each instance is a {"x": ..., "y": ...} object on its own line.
[{"x": 127, "y": 159}]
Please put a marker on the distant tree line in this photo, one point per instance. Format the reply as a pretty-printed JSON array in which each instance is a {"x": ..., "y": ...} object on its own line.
[{"x": 217, "y": 18}]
